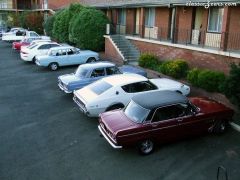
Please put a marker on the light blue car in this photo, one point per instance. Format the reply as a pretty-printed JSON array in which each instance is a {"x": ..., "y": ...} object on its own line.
[
  {"x": 66, "y": 56},
  {"x": 88, "y": 73}
]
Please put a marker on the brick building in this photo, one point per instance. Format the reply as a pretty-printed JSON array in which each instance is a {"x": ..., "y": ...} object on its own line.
[{"x": 207, "y": 35}]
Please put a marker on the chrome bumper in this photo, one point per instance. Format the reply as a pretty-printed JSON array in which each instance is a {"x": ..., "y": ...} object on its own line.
[
  {"x": 80, "y": 106},
  {"x": 107, "y": 138},
  {"x": 63, "y": 89}
]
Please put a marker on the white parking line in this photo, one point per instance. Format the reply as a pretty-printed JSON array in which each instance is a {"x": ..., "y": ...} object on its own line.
[{"x": 235, "y": 126}]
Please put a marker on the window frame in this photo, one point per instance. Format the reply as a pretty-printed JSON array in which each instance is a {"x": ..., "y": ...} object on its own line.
[
  {"x": 150, "y": 17},
  {"x": 218, "y": 19}
]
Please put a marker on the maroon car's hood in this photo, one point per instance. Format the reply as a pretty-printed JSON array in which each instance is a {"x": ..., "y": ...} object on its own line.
[
  {"x": 116, "y": 121},
  {"x": 207, "y": 105}
]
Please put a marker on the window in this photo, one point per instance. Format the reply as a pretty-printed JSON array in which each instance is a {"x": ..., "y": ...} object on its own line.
[
  {"x": 112, "y": 70},
  {"x": 98, "y": 72},
  {"x": 215, "y": 19},
  {"x": 150, "y": 17},
  {"x": 100, "y": 87},
  {"x": 168, "y": 112},
  {"x": 122, "y": 16},
  {"x": 54, "y": 45},
  {"x": 139, "y": 87},
  {"x": 70, "y": 52},
  {"x": 45, "y": 46},
  {"x": 32, "y": 34}
]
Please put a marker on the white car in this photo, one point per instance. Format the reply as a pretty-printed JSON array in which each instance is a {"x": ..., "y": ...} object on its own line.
[
  {"x": 20, "y": 35},
  {"x": 29, "y": 53},
  {"x": 116, "y": 91}
]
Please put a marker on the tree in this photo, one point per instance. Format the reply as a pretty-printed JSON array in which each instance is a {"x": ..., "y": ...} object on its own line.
[{"x": 88, "y": 28}]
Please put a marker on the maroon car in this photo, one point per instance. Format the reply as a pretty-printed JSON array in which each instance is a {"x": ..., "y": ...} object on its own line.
[{"x": 160, "y": 117}]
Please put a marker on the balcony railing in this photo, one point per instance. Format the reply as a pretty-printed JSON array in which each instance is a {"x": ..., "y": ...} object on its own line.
[{"x": 190, "y": 37}]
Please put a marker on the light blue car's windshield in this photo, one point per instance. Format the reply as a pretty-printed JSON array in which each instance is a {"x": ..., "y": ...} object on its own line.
[
  {"x": 100, "y": 87},
  {"x": 81, "y": 72},
  {"x": 135, "y": 112}
]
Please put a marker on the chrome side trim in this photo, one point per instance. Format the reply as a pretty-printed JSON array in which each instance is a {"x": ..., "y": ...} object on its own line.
[{"x": 107, "y": 138}]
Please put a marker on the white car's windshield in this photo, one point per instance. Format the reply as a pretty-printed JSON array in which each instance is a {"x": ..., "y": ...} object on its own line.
[
  {"x": 135, "y": 112},
  {"x": 99, "y": 87},
  {"x": 81, "y": 72}
]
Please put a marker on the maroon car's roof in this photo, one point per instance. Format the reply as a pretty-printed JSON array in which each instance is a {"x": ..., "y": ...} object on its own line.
[{"x": 151, "y": 100}]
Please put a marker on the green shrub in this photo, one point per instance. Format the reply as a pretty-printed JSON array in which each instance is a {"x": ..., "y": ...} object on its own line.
[
  {"x": 231, "y": 87},
  {"x": 192, "y": 76},
  {"x": 147, "y": 60},
  {"x": 87, "y": 29},
  {"x": 177, "y": 68},
  {"x": 48, "y": 25},
  {"x": 210, "y": 80}
]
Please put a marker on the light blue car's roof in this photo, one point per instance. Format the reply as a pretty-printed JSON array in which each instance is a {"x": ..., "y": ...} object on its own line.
[{"x": 97, "y": 65}]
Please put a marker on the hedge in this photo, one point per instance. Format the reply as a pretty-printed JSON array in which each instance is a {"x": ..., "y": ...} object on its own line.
[
  {"x": 231, "y": 87},
  {"x": 206, "y": 79},
  {"x": 177, "y": 68},
  {"x": 147, "y": 60}
]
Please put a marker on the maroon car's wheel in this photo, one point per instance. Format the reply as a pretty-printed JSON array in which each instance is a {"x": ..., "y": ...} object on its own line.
[
  {"x": 146, "y": 147},
  {"x": 220, "y": 127}
]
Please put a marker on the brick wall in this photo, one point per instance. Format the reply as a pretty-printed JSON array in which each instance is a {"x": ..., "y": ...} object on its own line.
[
  {"x": 130, "y": 17},
  {"x": 162, "y": 21},
  {"x": 183, "y": 23},
  {"x": 233, "y": 38},
  {"x": 194, "y": 58},
  {"x": 56, "y": 4},
  {"x": 111, "y": 52}
]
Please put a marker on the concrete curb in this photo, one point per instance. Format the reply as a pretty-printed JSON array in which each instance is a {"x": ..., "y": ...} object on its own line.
[{"x": 235, "y": 126}]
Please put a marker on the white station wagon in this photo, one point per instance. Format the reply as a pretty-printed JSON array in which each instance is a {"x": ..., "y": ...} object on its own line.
[
  {"x": 116, "y": 91},
  {"x": 65, "y": 56}
]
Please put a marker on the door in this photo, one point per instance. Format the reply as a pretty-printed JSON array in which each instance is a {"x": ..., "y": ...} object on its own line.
[
  {"x": 197, "y": 26},
  {"x": 164, "y": 123},
  {"x": 193, "y": 123}
]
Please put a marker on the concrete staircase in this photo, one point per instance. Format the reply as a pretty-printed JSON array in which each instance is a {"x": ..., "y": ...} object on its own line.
[{"x": 127, "y": 50}]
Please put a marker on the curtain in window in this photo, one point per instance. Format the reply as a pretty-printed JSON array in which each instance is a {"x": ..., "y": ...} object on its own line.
[
  {"x": 215, "y": 19},
  {"x": 150, "y": 17}
]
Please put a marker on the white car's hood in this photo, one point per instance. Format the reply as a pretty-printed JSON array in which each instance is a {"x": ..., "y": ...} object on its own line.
[
  {"x": 164, "y": 83},
  {"x": 85, "y": 94}
]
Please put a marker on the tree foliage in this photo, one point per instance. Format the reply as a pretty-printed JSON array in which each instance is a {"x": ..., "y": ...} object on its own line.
[{"x": 87, "y": 29}]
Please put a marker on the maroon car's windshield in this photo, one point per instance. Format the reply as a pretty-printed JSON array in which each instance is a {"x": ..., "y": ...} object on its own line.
[{"x": 135, "y": 112}]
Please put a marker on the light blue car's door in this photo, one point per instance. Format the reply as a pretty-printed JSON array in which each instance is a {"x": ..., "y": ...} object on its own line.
[
  {"x": 78, "y": 58},
  {"x": 97, "y": 74},
  {"x": 62, "y": 57}
]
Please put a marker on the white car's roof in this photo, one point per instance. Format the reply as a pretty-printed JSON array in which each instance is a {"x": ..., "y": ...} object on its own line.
[
  {"x": 122, "y": 79},
  {"x": 61, "y": 47},
  {"x": 42, "y": 43},
  {"x": 41, "y": 40}
]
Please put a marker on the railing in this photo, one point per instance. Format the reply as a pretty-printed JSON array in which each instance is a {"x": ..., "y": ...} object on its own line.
[{"x": 189, "y": 37}]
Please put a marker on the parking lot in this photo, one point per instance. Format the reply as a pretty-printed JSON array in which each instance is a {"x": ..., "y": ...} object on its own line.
[{"x": 43, "y": 135}]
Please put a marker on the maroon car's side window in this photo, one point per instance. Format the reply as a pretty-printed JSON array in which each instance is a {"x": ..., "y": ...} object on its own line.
[{"x": 168, "y": 112}]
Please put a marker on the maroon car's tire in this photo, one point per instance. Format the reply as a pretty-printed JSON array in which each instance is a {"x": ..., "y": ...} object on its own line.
[
  {"x": 220, "y": 127},
  {"x": 146, "y": 147}
]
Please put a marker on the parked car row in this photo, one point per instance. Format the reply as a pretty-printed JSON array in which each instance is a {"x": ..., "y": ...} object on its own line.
[{"x": 132, "y": 109}]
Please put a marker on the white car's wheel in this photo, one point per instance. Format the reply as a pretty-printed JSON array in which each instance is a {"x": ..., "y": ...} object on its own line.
[{"x": 53, "y": 66}]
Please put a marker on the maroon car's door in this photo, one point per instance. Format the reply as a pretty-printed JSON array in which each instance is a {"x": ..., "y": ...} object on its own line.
[
  {"x": 164, "y": 124},
  {"x": 195, "y": 124}
]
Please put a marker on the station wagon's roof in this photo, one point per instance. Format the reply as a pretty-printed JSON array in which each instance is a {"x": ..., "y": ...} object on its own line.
[
  {"x": 97, "y": 65},
  {"x": 153, "y": 99},
  {"x": 122, "y": 79}
]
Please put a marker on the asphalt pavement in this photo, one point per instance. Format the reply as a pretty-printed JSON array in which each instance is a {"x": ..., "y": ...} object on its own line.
[{"x": 43, "y": 136}]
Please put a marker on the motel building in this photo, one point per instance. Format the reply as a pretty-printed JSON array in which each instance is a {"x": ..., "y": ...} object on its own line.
[{"x": 205, "y": 33}]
